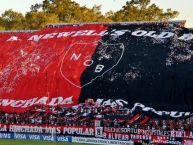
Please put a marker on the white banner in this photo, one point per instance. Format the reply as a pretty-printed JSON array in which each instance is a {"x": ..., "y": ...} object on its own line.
[{"x": 100, "y": 141}]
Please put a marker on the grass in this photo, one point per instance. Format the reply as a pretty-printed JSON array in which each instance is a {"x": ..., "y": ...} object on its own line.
[{"x": 30, "y": 142}]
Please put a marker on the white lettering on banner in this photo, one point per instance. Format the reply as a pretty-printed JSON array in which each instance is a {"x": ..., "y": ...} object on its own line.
[
  {"x": 75, "y": 57},
  {"x": 34, "y": 137},
  {"x": 6, "y": 102},
  {"x": 119, "y": 32},
  {"x": 111, "y": 102},
  {"x": 174, "y": 114},
  {"x": 93, "y": 33},
  {"x": 151, "y": 34},
  {"x": 165, "y": 35},
  {"x": 34, "y": 101},
  {"x": 56, "y": 101},
  {"x": 26, "y": 129},
  {"x": 48, "y": 138},
  {"x": 126, "y": 134},
  {"x": 87, "y": 62},
  {"x": 116, "y": 136},
  {"x": 78, "y": 131},
  {"x": 18, "y": 103},
  {"x": 13, "y": 38},
  {"x": 120, "y": 102},
  {"x": 117, "y": 132},
  {"x": 53, "y": 130},
  {"x": 81, "y": 33},
  {"x": 62, "y": 138},
  {"x": 65, "y": 34},
  {"x": 29, "y": 102},
  {"x": 5, "y": 135},
  {"x": 19, "y": 136},
  {"x": 35, "y": 129},
  {"x": 42, "y": 100},
  {"x": 186, "y": 37},
  {"x": 138, "y": 33},
  {"x": 48, "y": 36},
  {"x": 102, "y": 33},
  {"x": 35, "y": 38},
  {"x": 99, "y": 68},
  {"x": 3, "y": 128},
  {"x": 100, "y": 141},
  {"x": 67, "y": 101}
]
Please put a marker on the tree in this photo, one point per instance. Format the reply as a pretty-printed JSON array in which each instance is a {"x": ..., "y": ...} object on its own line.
[
  {"x": 1, "y": 25},
  {"x": 68, "y": 11},
  {"x": 36, "y": 20},
  {"x": 35, "y": 8},
  {"x": 12, "y": 20},
  {"x": 141, "y": 10}
]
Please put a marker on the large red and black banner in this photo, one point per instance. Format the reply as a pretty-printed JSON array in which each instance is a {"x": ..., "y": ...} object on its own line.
[
  {"x": 139, "y": 63},
  {"x": 45, "y": 67},
  {"x": 119, "y": 75}
]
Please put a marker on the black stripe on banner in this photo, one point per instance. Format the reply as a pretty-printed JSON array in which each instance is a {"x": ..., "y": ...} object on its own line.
[{"x": 150, "y": 64}]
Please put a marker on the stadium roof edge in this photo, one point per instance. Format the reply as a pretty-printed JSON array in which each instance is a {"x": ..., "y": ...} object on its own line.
[
  {"x": 16, "y": 31},
  {"x": 177, "y": 22}
]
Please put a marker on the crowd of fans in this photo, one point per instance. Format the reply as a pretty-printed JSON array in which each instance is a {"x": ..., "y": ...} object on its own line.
[{"x": 89, "y": 112}]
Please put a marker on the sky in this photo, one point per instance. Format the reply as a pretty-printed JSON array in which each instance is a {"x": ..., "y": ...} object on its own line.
[{"x": 185, "y": 7}]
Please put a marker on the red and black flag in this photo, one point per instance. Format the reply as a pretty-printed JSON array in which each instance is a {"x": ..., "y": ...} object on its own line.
[{"x": 145, "y": 63}]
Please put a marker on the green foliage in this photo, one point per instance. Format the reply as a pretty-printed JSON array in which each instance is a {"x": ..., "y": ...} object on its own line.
[
  {"x": 11, "y": 20},
  {"x": 68, "y": 11},
  {"x": 141, "y": 10},
  {"x": 35, "y": 20},
  {"x": 2, "y": 28},
  {"x": 71, "y": 12},
  {"x": 1, "y": 24}
]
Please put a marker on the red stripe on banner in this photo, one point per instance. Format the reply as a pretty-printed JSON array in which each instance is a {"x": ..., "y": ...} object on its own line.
[
  {"x": 44, "y": 67},
  {"x": 136, "y": 117},
  {"x": 145, "y": 120}
]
